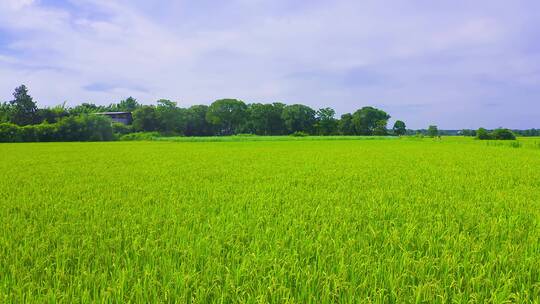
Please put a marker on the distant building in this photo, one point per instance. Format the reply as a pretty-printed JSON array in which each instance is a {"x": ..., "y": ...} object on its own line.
[{"x": 121, "y": 117}]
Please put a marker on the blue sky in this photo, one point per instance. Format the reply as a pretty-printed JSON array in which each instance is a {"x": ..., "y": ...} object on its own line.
[{"x": 457, "y": 64}]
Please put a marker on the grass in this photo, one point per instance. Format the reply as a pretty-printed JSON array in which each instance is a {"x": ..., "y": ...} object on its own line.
[
  {"x": 270, "y": 221},
  {"x": 244, "y": 138}
]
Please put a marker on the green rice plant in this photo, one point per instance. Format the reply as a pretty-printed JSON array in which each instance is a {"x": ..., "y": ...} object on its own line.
[{"x": 294, "y": 221}]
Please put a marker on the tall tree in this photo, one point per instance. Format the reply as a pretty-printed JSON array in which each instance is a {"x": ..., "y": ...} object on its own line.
[
  {"x": 54, "y": 114},
  {"x": 23, "y": 108},
  {"x": 345, "y": 125},
  {"x": 228, "y": 115},
  {"x": 172, "y": 119},
  {"x": 399, "y": 128},
  {"x": 5, "y": 112},
  {"x": 380, "y": 128},
  {"x": 129, "y": 104},
  {"x": 299, "y": 117},
  {"x": 86, "y": 108},
  {"x": 365, "y": 120},
  {"x": 433, "y": 131},
  {"x": 265, "y": 119},
  {"x": 326, "y": 122},
  {"x": 483, "y": 134},
  {"x": 196, "y": 123},
  {"x": 145, "y": 118}
]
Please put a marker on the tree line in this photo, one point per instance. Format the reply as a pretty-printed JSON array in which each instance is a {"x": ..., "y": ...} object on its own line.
[{"x": 22, "y": 120}]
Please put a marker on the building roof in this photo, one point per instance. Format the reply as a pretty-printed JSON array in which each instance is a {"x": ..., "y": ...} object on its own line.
[{"x": 112, "y": 113}]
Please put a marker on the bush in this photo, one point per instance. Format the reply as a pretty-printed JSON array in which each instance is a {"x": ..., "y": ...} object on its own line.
[
  {"x": 10, "y": 133},
  {"x": 74, "y": 128},
  {"x": 28, "y": 133},
  {"x": 299, "y": 134},
  {"x": 121, "y": 129},
  {"x": 140, "y": 136},
  {"x": 503, "y": 134},
  {"x": 483, "y": 134},
  {"x": 85, "y": 128},
  {"x": 46, "y": 132},
  {"x": 498, "y": 134}
]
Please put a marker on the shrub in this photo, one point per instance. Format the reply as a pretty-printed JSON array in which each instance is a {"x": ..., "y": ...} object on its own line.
[
  {"x": 10, "y": 133},
  {"x": 483, "y": 134},
  {"x": 28, "y": 133},
  {"x": 299, "y": 134},
  {"x": 121, "y": 129},
  {"x": 85, "y": 128},
  {"x": 46, "y": 132},
  {"x": 140, "y": 136},
  {"x": 503, "y": 134}
]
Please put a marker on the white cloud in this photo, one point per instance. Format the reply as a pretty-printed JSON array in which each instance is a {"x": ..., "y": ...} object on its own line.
[{"x": 424, "y": 58}]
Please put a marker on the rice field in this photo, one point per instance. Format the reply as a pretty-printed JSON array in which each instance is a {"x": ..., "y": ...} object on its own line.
[{"x": 290, "y": 221}]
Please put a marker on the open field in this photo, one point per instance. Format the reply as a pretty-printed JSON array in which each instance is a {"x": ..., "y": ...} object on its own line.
[{"x": 307, "y": 221}]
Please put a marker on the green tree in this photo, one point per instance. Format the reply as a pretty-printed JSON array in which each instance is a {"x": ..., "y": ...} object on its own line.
[
  {"x": 228, "y": 115},
  {"x": 468, "y": 132},
  {"x": 23, "y": 108},
  {"x": 129, "y": 104},
  {"x": 53, "y": 115},
  {"x": 172, "y": 119},
  {"x": 145, "y": 119},
  {"x": 366, "y": 119},
  {"x": 503, "y": 134},
  {"x": 399, "y": 128},
  {"x": 196, "y": 123},
  {"x": 483, "y": 134},
  {"x": 265, "y": 119},
  {"x": 326, "y": 123},
  {"x": 298, "y": 117},
  {"x": 5, "y": 112},
  {"x": 86, "y": 108},
  {"x": 380, "y": 128},
  {"x": 433, "y": 131},
  {"x": 345, "y": 125}
]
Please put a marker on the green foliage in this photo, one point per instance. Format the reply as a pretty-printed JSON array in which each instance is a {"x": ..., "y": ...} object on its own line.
[
  {"x": 72, "y": 128},
  {"x": 140, "y": 136},
  {"x": 196, "y": 123},
  {"x": 228, "y": 115},
  {"x": 298, "y": 117},
  {"x": 265, "y": 119},
  {"x": 222, "y": 117},
  {"x": 10, "y": 132},
  {"x": 380, "y": 128},
  {"x": 130, "y": 104},
  {"x": 171, "y": 118},
  {"x": 503, "y": 134},
  {"x": 46, "y": 132},
  {"x": 468, "y": 132},
  {"x": 86, "y": 108},
  {"x": 483, "y": 134},
  {"x": 399, "y": 128},
  {"x": 145, "y": 119},
  {"x": 85, "y": 128},
  {"x": 299, "y": 134},
  {"x": 52, "y": 115},
  {"x": 326, "y": 123},
  {"x": 528, "y": 132},
  {"x": 433, "y": 131},
  {"x": 345, "y": 125},
  {"x": 23, "y": 108},
  {"x": 367, "y": 119},
  {"x": 121, "y": 129},
  {"x": 497, "y": 134},
  {"x": 5, "y": 112}
]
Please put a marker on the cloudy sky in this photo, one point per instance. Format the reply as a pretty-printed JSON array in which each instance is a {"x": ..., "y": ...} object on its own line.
[{"x": 454, "y": 63}]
